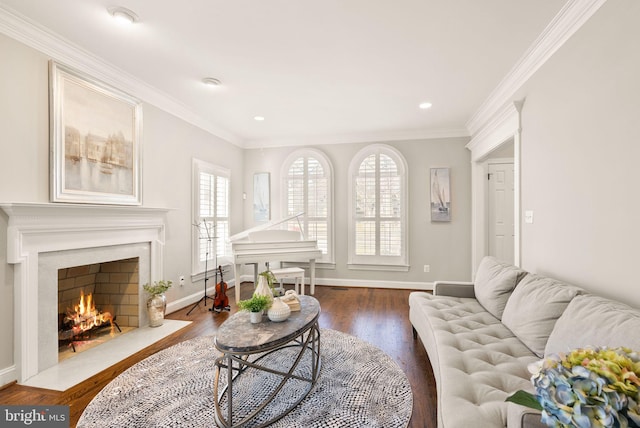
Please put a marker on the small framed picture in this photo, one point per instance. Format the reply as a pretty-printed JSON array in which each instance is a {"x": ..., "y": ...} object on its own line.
[
  {"x": 261, "y": 196},
  {"x": 440, "y": 194},
  {"x": 95, "y": 137}
]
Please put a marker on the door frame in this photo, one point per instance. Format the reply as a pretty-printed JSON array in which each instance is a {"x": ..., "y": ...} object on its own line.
[{"x": 503, "y": 128}]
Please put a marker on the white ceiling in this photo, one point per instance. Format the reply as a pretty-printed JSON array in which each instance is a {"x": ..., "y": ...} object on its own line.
[{"x": 330, "y": 70}]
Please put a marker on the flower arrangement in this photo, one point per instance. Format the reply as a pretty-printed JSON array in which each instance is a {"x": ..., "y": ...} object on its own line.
[
  {"x": 586, "y": 388},
  {"x": 158, "y": 287}
]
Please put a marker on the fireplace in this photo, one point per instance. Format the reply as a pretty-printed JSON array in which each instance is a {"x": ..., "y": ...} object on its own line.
[
  {"x": 95, "y": 303},
  {"x": 46, "y": 239}
]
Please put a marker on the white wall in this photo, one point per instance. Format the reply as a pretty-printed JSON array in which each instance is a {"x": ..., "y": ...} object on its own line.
[
  {"x": 169, "y": 144},
  {"x": 580, "y": 152},
  {"x": 446, "y": 247}
]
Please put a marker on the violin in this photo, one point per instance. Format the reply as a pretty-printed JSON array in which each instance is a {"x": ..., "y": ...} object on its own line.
[{"x": 220, "y": 299}]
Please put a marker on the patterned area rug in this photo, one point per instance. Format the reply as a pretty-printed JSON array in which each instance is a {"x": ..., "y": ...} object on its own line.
[{"x": 359, "y": 386}]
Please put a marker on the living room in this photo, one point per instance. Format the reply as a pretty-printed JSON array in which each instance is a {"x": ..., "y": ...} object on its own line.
[{"x": 575, "y": 149}]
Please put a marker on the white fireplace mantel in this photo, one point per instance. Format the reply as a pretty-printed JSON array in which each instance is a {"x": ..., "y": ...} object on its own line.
[{"x": 41, "y": 228}]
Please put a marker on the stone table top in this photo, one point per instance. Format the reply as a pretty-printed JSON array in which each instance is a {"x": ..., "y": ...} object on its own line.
[{"x": 238, "y": 335}]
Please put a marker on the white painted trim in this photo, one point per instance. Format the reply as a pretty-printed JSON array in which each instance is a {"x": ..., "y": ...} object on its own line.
[
  {"x": 370, "y": 137},
  {"x": 364, "y": 283},
  {"x": 498, "y": 129},
  {"x": 34, "y": 35},
  {"x": 8, "y": 375},
  {"x": 570, "y": 18},
  {"x": 34, "y": 229}
]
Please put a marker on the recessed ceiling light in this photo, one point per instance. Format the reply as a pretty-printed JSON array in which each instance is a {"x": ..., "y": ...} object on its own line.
[
  {"x": 425, "y": 105},
  {"x": 258, "y": 118},
  {"x": 122, "y": 14},
  {"x": 211, "y": 81}
]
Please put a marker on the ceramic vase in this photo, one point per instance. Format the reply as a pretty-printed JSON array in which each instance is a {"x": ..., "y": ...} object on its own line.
[
  {"x": 255, "y": 317},
  {"x": 156, "y": 308},
  {"x": 263, "y": 289},
  {"x": 279, "y": 310}
]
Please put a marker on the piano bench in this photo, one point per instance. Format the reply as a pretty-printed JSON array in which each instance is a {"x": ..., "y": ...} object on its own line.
[{"x": 294, "y": 272}]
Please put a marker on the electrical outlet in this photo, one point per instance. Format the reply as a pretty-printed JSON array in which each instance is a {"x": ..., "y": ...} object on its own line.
[
  {"x": 181, "y": 279},
  {"x": 427, "y": 268}
]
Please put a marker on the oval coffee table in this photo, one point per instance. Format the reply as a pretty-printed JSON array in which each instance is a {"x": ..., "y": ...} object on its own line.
[{"x": 250, "y": 349}]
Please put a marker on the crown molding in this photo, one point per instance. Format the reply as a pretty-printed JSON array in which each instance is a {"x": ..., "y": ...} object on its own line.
[
  {"x": 503, "y": 125},
  {"x": 371, "y": 137},
  {"x": 570, "y": 18},
  {"x": 42, "y": 39}
]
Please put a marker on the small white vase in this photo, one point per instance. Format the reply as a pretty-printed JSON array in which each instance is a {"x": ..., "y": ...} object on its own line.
[
  {"x": 255, "y": 317},
  {"x": 263, "y": 289},
  {"x": 279, "y": 310}
]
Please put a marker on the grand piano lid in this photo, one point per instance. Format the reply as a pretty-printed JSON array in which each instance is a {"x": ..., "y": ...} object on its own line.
[{"x": 245, "y": 233}]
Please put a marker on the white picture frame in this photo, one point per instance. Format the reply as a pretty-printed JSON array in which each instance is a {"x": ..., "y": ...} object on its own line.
[{"x": 95, "y": 140}]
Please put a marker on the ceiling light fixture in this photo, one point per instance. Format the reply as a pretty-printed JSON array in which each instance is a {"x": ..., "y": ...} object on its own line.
[
  {"x": 258, "y": 118},
  {"x": 425, "y": 106},
  {"x": 211, "y": 81},
  {"x": 124, "y": 15}
]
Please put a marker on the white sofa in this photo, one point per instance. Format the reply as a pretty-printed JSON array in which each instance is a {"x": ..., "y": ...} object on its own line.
[{"x": 480, "y": 336}]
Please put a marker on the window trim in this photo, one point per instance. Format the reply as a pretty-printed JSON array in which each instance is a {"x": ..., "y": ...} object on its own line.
[
  {"x": 365, "y": 262},
  {"x": 198, "y": 166},
  {"x": 329, "y": 258}
]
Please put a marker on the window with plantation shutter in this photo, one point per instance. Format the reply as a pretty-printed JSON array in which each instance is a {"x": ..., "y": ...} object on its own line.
[
  {"x": 377, "y": 227},
  {"x": 211, "y": 214},
  {"x": 308, "y": 189}
]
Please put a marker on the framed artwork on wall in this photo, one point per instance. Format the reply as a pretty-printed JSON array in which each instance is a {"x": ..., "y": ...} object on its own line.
[
  {"x": 95, "y": 138},
  {"x": 440, "y": 194},
  {"x": 261, "y": 197}
]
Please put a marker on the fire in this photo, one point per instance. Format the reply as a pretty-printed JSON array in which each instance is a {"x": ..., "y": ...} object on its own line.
[{"x": 84, "y": 316}]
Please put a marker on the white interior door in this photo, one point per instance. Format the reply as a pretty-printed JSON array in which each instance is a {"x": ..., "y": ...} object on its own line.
[{"x": 500, "y": 211}]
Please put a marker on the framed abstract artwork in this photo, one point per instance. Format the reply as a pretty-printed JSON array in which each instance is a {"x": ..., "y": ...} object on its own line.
[
  {"x": 95, "y": 138},
  {"x": 440, "y": 194}
]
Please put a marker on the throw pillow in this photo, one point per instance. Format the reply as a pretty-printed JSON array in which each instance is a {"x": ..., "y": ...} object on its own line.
[
  {"x": 592, "y": 320},
  {"x": 495, "y": 280},
  {"x": 534, "y": 307}
]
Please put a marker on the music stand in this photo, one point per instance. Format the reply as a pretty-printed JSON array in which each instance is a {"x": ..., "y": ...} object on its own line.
[{"x": 206, "y": 266}]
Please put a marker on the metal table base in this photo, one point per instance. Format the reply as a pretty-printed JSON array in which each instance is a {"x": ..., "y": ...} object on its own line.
[{"x": 234, "y": 364}]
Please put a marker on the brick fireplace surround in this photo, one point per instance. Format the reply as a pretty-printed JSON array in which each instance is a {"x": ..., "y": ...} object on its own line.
[{"x": 44, "y": 238}]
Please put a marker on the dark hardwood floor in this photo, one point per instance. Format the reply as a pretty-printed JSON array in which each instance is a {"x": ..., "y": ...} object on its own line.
[{"x": 378, "y": 316}]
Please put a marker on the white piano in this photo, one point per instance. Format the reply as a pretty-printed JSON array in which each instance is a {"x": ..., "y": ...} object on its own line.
[{"x": 264, "y": 243}]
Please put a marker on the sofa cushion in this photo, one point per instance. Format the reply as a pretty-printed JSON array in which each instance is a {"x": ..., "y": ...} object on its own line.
[
  {"x": 534, "y": 307},
  {"x": 591, "y": 320},
  {"x": 494, "y": 282}
]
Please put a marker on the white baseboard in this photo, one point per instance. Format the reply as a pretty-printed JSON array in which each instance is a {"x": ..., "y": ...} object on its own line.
[
  {"x": 8, "y": 375},
  {"x": 179, "y": 304},
  {"x": 396, "y": 285}
]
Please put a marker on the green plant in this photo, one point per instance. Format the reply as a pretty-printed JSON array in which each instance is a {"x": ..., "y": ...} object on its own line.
[
  {"x": 158, "y": 287},
  {"x": 256, "y": 303}
]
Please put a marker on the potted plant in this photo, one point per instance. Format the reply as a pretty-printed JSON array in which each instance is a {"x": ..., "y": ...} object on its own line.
[
  {"x": 255, "y": 305},
  {"x": 157, "y": 302}
]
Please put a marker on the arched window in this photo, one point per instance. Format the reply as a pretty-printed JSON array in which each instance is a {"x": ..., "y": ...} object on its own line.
[
  {"x": 308, "y": 188},
  {"x": 378, "y": 210}
]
